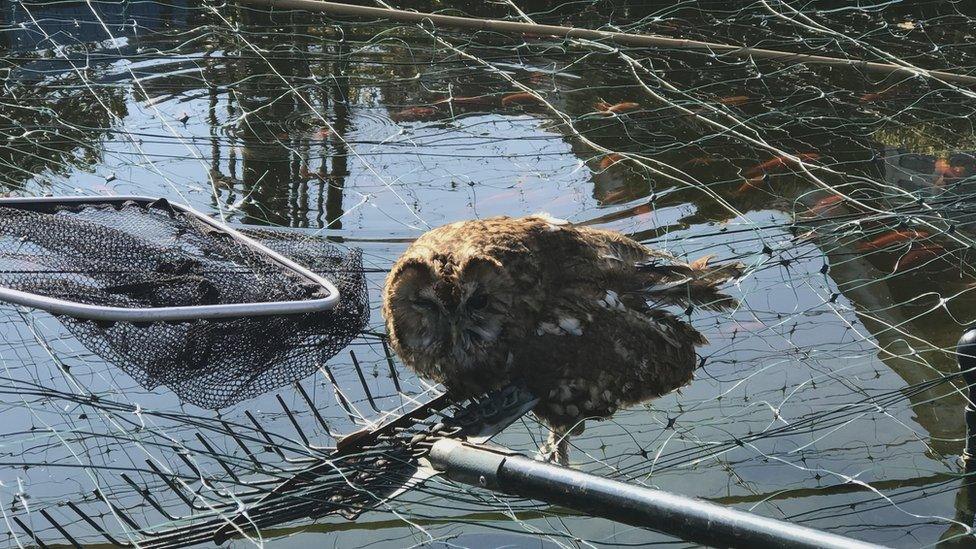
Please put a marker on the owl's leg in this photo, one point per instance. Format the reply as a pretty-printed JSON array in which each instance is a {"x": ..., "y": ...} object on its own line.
[{"x": 556, "y": 448}]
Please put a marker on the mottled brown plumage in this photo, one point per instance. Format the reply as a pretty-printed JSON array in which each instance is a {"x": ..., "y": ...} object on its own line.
[{"x": 574, "y": 313}]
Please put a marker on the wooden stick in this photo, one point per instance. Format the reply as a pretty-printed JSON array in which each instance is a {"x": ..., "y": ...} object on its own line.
[{"x": 621, "y": 38}]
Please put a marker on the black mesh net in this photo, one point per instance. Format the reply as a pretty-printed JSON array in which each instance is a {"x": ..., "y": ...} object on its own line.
[{"x": 137, "y": 256}]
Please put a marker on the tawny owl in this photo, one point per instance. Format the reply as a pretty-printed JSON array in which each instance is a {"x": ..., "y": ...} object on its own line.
[{"x": 573, "y": 313}]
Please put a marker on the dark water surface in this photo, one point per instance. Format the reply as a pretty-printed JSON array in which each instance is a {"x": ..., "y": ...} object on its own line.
[{"x": 814, "y": 402}]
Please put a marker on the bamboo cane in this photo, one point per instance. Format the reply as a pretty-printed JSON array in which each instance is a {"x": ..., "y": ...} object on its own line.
[{"x": 619, "y": 38}]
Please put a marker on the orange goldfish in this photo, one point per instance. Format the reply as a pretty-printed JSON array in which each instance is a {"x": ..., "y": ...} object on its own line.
[
  {"x": 871, "y": 97},
  {"x": 523, "y": 98},
  {"x": 778, "y": 163},
  {"x": 734, "y": 100},
  {"x": 943, "y": 167},
  {"x": 413, "y": 113},
  {"x": 893, "y": 237},
  {"x": 700, "y": 161},
  {"x": 824, "y": 205},
  {"x": 610, "y": 160},
  {"x": 642, "y": 211},
  {"x": 619, "y": 195},
  {"x": 918, "y": 254},
  {"x": 751, "y": 183},
  {"x": 616, "y": 108}
]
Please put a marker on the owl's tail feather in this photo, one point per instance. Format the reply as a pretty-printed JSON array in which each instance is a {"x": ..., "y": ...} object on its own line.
[{"x": 696, "y": 283}]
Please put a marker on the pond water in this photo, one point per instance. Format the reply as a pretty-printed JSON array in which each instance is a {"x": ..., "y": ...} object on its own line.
[{"x": 822, "y": 399}]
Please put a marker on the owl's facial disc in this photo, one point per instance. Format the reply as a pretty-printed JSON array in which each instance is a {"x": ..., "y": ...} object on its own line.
[
  {"x": 452, "y": 311},
  {"x": 478, "y": 318}
]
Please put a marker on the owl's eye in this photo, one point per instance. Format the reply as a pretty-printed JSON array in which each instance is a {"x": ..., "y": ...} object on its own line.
[
  {"x": 423, "y": 303},
  {"x": 477, "y": 301}
]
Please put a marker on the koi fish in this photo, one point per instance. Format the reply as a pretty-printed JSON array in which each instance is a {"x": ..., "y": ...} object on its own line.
[
  {"x": 610, "y": 160},
  {"x": 943, "y": 167},
  {"x": 871, "y": 97},
  {"x": 893, "y": 237},
  {"x": 523, "y": 98},
  {"x": 642, "y": 211},
  {"x": 751, "y": 183},
  {"x": 620, "y": 195},
  {"x": 413, "y": 113},
  {"x": 734, "y": 100},
  {"x": 806, "y": 236},
  {"x": 778, "y": 163},
  {"x": 915, "y": 255},
  {"x": 824, "y": 205},
  {"x": 616, "y": 108},
  {"x": 701, "y": 161}
]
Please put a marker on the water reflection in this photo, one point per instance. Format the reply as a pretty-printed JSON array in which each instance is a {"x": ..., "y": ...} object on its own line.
[{"x": 282, "y": 119}]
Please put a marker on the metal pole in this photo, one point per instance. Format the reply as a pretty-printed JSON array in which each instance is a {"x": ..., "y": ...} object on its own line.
[
  {"x": 690, "y": 519},
  {"x": 966, "y": 357},
  {"x": 620, "y": 38}
]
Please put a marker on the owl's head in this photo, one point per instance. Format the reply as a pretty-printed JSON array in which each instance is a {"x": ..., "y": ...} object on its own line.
[{"x": 446, "y": 314}]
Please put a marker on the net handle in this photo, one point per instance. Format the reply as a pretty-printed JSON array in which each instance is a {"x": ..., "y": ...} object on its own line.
[{"x": 166, "y": 314}]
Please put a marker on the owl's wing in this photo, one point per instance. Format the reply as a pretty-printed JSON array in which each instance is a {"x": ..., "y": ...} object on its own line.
[
  {"x": 661, "y": 278},
  {"x": 590, "y": 357}
]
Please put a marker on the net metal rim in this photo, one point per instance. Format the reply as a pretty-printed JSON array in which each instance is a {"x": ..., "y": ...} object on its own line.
[{"x": 86, "y": 311}]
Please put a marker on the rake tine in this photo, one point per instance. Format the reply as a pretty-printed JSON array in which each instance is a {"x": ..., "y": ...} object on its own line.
[
  {"x": 29, "y": 532},
  {"x": 196, "y": 471},
  {"x": 64, "y": 532},
  {"x": 291, "y": 417},
  {"x": 389, "y": 361},
  {"x": 271, "y": 445},
  {"x": 217, "y": 457},
  {"x": 362, "y": 379},
  {"x": 240, "y": 443},
  {"x": 315, "y": 411},
  {"x": 131, "y": 523},
  {"x": 340, "y": 396},
  {"x": 173, "y": 486},
  {"x": 96, "y": 526},
  {"x": 289, "y": 500},
  {"x": 204, "y": 481},
  {"x": 145, "y": 495}
]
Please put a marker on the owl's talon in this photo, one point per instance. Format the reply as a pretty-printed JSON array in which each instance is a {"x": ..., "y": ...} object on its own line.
[{"x": 556, "y": 449}]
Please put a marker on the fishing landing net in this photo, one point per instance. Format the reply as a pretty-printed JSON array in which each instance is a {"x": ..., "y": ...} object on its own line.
[{"x": 174, "y": 299}]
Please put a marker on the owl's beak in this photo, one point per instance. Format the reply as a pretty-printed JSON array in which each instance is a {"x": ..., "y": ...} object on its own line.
[{"x": 458, "y": 336}]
